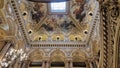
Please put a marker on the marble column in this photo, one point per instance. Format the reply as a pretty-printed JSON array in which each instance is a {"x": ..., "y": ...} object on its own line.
[
  {"x": 71, "y": 64},
  {"x": 97, "y": 63},
  {"x": 90, "y": 63},
  {"x": 87, "y": 64},
  {"x": 47, "y": 64},
  {"x": 67, "y": 64},
  {"x": 43, "y": 64},
  {"x": 20, "y": 65},
  {"x": 25, "y": 64}
]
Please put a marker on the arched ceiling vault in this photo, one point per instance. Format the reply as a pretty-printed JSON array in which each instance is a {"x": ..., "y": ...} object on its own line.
[
  {"x": 76, "y": 26},
  {"x": 54, "y": 25}
]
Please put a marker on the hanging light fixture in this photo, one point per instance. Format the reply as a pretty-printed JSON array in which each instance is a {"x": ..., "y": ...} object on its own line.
[{"x": 13, "y": 54}]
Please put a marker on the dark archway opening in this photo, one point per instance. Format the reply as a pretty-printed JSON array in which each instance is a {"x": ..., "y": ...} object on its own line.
[
  {"x": 35, "y": 64},
  {"x": 57, "y": 64},
  {"x": 79, "y": 64}
]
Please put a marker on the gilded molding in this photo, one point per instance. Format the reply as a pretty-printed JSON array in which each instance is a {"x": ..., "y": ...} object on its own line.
[{"x": 109, "y": 21}]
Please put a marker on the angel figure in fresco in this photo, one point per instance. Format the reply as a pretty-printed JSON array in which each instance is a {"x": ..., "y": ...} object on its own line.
[
  {"x": 36, "y": 13},
  {"x": 67, "y": 25},
  {"x": 79, "y": 11},
  {"x": 50, "y": 24}
]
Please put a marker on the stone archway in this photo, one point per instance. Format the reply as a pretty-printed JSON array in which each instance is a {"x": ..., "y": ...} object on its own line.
[
  {"x": 36, "y": 58},
  {"x": 57, "y": 58},
  {"x": 79, "y": 59},
  {"x": 57, "y": 55},
  {"x": 78, "y": 56},
  {"x": 36, "y": 55}
]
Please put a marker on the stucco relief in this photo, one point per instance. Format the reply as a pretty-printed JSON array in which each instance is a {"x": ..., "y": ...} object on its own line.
[{"x": 56, "y": 54}]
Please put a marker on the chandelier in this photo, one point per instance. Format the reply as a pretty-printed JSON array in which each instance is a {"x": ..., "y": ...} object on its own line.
[{"x": 12, "y": 55}]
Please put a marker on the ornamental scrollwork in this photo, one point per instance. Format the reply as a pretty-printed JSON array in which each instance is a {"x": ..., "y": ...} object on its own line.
[{"x": 109, "y": 14}]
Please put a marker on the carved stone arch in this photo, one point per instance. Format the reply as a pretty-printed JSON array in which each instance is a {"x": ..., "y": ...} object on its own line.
[
  {"x": 78, "y": 56},
  {"x": 73, "y": 51},
  {"x": 33, "y": 50},
  {"x": 30, "y": 51},
  {"x": 57, "y": 56},
  {"x": 36, "y": 55}
]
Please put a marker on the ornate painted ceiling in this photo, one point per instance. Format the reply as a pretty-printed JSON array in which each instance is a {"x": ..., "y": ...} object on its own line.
[
  {"x": 28, "y": 22},
  {"x": 40, "y": 25},
  {"x": 43, "y": 26}
]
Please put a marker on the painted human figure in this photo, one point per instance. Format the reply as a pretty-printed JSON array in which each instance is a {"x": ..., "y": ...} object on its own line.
[
  {"x": 79, "y": 11},
  {"x": 37, "y": 14},
  {"x": 50, "y": 24}
]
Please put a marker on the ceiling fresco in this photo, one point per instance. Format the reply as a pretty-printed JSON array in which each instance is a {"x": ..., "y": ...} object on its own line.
[
  {"x": 77, "y": 9},
  {"x": 58, "y": 22},
  {"x": 38, "y": 11},
  {"x": 73, "y": 26}
]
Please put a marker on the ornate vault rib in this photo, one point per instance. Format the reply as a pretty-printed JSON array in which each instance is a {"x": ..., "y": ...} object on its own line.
[
  {"x": 93, "y": 27},
  {"x": 5, "y": 50},
  {"x": 20, "y": 20},
  {"x": 40, "y": 23},
  {"x": 93, "y": 23},
  {"x": 76, "y": 23}
]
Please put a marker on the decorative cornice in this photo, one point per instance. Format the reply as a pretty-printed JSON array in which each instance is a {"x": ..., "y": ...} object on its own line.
[{"x": 57, "y": 44}]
